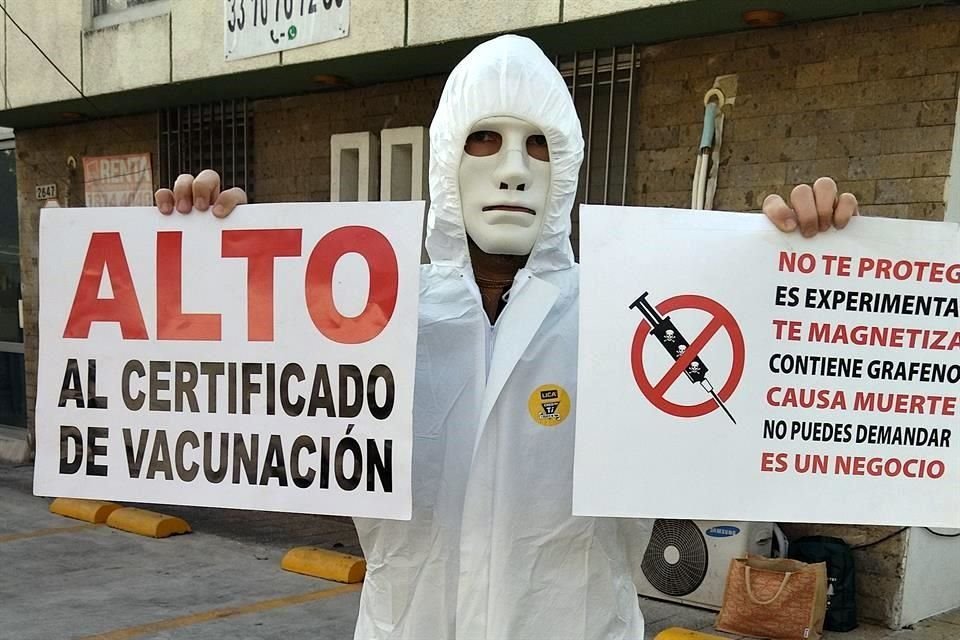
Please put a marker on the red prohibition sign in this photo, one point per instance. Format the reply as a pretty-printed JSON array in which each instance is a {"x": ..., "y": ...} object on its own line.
[{"x": 722, "y": 319}]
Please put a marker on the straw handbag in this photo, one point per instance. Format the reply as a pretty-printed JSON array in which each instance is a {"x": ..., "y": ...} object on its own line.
[{"x": 774, "y": 598}]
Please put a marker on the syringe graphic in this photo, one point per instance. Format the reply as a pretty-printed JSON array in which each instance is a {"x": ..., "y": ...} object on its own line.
[{"x": 675, "y": 344}]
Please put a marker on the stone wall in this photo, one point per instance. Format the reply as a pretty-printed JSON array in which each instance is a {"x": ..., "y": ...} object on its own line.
[{"x": 869, "y": 100}]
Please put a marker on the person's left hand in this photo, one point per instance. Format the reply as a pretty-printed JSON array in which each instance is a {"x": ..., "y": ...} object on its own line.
[{"x": 812, "y": 209}]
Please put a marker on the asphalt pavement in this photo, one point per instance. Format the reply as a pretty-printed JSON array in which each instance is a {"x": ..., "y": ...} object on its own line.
[{"x": 66, "y": 579}]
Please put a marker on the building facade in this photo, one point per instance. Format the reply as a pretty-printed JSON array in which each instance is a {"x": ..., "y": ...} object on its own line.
[
  {"x": 864, "y": 91},
  {"x": 13, "y": 412}
]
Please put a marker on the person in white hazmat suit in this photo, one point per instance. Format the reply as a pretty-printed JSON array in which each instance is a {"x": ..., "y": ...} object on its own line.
[{"x": 492, "y": 551}]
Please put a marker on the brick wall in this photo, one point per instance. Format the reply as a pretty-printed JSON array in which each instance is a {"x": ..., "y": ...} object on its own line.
[
  {"x": 292, "y": 135},
  {"x": 869, "y": 100},
  {"x": 42, "y": 159}
]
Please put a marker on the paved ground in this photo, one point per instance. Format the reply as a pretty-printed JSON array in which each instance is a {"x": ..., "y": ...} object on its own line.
[{"x": 63, "y": 579}]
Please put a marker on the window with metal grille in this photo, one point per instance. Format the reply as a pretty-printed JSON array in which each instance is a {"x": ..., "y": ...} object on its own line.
[
  {"x": 602, "y": 85},
  {"x": 216, "y": 136}
]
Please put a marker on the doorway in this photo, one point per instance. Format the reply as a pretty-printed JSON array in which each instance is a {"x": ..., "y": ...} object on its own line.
[{"x": 13, "y": 406}]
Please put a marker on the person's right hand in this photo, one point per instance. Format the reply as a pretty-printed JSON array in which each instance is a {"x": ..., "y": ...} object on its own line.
[{"x": 200, "y": 192}]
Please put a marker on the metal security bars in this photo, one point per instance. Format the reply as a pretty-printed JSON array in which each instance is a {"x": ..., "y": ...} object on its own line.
[
  {"x": 217, "y": 135},
  {"x": 602, "y": 85}
]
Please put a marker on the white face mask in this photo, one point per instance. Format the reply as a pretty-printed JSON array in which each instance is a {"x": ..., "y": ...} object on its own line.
[{"x": 503, "y": 185}]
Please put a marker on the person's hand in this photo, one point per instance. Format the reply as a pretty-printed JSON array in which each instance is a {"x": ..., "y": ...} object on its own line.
[
  {"x": 811, "y": 209},
  {"x": 201, "y": 192}
]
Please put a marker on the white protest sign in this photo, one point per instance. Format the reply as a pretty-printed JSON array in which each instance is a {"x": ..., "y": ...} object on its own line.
[
  {"x": 264, "y": 361},
  {"x": 729, "y": 371}
]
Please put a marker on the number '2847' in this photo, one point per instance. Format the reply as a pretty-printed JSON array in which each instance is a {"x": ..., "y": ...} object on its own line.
[{"x": 281, "y": 10}]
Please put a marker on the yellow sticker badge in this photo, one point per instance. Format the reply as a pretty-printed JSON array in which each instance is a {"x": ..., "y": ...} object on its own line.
[{"x": 549, "y": 405}]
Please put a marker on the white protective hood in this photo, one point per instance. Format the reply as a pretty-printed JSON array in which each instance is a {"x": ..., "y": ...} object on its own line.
[{"x": 527, "y": 87}]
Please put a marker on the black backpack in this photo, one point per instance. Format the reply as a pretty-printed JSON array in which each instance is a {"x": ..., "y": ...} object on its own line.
[{"x": 841, "y": 580}]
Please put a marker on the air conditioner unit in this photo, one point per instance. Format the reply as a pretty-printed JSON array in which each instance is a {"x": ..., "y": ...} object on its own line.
[{"x": 687, "y": 561}]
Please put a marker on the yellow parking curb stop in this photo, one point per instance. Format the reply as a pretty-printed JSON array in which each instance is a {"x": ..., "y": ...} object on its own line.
[
  {"x": 326, "y": 564},
  {"x": 93, "y": 511},
  {"x": 147, "y": 523},
  {"x": 676, "y": 633}
]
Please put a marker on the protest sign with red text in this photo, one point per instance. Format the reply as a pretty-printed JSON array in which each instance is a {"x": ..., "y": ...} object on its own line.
[
  {"x": 731, "y": 371},
  {"x": 260, "y": 362}
]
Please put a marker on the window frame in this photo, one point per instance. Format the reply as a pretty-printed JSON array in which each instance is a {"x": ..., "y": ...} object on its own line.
[{"x": 152, "y": 9}]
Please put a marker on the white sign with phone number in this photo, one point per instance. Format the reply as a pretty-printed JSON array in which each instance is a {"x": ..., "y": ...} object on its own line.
[{"x": 257, "y": 27}]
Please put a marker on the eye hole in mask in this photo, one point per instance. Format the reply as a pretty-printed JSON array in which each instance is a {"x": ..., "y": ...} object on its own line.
[{"x": 488, "y": 143}]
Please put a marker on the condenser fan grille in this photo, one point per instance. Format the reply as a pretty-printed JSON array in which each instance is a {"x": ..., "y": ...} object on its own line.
[{"x": 675, "y": 562}]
